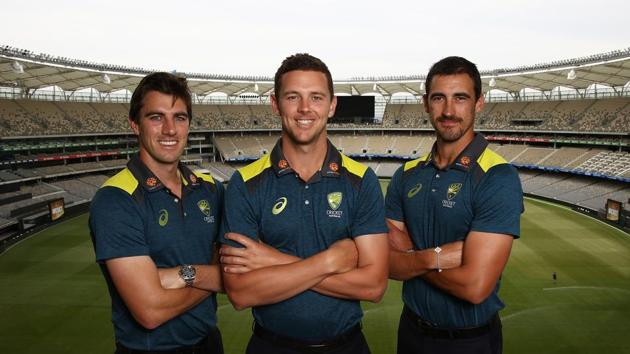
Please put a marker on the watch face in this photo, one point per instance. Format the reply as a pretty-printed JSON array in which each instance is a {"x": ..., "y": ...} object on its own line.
[{"x": 188, "y": 272}]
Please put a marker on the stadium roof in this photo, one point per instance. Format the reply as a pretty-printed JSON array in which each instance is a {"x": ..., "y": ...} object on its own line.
[{"x": 25, "y": 69}]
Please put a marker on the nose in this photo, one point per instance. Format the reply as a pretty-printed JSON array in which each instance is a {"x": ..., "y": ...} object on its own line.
[
  {"x": 448, "y": 108},
  {"x": 168, "y": 127},
  {"x": 304, "y": 106}
]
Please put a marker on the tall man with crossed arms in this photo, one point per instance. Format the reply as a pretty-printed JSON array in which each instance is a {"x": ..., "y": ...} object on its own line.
[
  {"x": 311, "y": 225},
  {"x": 453, "y": 215}
]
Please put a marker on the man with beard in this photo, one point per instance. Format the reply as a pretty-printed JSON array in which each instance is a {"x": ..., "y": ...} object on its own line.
[
  {"x": 453, "y": 215},
  {"x": 306, "y": 226}
]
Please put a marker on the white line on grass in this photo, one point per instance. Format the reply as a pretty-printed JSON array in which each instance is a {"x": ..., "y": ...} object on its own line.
[{"x": 526, "y": 311}]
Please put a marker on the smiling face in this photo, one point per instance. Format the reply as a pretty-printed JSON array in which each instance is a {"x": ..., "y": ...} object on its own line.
[
  {"x": 452, "y": 105},
  {"x": 162, "y": 130},
  {"x": 304, "y": 103}
]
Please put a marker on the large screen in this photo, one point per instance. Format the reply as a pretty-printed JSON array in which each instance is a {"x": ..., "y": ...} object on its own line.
[
  {"x": 355, "y": 107},
  {"x": 57, "y": 209},
  {"x": 613, "y": 208}
]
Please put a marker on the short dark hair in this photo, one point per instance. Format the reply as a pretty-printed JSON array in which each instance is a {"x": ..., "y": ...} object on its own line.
[
  {"x": 302, "y": 61},
  {"x": 453, "y": 66},
  {"x": 165, "y": 83}
]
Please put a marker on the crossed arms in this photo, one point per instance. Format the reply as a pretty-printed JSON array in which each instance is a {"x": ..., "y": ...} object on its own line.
[
  {"x": 471, "y": 269},
  {"x": 258, "y": 274},
  {"x": 155, "y": 295}
]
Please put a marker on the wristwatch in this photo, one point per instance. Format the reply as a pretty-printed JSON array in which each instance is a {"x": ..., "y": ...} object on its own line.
[
  {"x": 437, "y": 251},
  {"x": 188, "y": 273}
]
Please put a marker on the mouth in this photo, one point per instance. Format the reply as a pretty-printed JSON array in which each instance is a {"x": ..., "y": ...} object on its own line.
[
  {"x": 305, "y": 123},
  {"x": 448, "y": 122},
  {"x": 167, "y": 143}
]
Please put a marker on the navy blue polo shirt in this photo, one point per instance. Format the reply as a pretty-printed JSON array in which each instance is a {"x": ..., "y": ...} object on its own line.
[
  {"x": 133, "y": 214},
  {"x": 267, "y": 201},
  {"x": 481, "y": 192}
]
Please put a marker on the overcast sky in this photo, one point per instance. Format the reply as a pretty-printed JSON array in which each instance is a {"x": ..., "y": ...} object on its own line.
[{"x": 355, "y": 38}]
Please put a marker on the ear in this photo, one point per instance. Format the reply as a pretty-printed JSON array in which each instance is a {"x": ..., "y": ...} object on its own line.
[
  {"x": 134, "y": 126},
  {"x": 333, "y": 106},
  {"x": 479, "y": 104},
  {"x": 274, "y": 105}
]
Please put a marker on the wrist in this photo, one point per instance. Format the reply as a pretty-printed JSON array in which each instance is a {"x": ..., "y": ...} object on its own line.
[
  {"x": 437, "y": 251},
  {"x": 188, "y": 273}
]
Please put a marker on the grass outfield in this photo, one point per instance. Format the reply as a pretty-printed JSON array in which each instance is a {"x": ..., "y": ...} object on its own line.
[{"x": 54, "y": 299}]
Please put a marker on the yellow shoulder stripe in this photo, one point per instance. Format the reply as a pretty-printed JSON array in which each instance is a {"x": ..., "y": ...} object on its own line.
[
  {"x": 123, "y": 180},
  {"x": 352, "y": 166},
  {"x": 413, "y": 163},
  {"x": 255, "y": 168},
  {"x": 489, "y": 159},
  {"x": 203, "y": 176}
]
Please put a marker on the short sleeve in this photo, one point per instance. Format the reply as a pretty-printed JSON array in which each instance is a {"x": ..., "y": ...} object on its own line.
[
  {"x": 370, "y": 215},
  {"x": 498, "y": 202},
  {"x": 393, "y": 198},
  {"x": 239, "y": 214},
  {"x": 116, "y": 225}
]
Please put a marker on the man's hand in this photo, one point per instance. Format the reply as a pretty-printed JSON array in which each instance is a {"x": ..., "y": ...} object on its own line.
[{"x": 254, "y": 255}]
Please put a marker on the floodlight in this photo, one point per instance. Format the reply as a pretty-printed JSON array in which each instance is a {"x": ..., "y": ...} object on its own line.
[
  {"x": 256, "y": 87},
  {"x": 17, "y": 67},
  {"x": 422, "y": 86},
  {"x": 105, "y": 78},
  {"x": 571, "y": 75},
  {"x": 374, "y": 87},
  {"x": 493, "y": 82}
]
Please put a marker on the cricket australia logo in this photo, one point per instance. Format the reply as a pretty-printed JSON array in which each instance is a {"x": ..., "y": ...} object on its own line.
[
  {"x": 334, "y": 202},
  {"x": 204, "y": 206},
  {"x": 163, "y": 219},
  {"x": 279, "y": 206},
  {"x": 413, "y": 191},
  {"x": 451, "y": 192}
]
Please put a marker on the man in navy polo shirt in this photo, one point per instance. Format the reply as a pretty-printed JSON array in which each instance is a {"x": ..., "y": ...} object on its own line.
[
  {"x": 453, "y": 215},
  {"x": 154, "y": 226},
  {"x": 311, "y": 226}
]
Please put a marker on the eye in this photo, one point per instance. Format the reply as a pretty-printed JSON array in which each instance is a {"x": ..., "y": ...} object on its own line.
[
  {"x": 291, "y": 97},
  {"x": 155, "y": 117},
  {"x": 181, "y": 118},
  {"x": 317, "y": 98}
]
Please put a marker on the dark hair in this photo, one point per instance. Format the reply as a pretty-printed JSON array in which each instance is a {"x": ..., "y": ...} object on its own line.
[
  {"x": 302, "y": 61},
  {"x": 453, "y": 66},
  {"x": 165, "y": 83}
]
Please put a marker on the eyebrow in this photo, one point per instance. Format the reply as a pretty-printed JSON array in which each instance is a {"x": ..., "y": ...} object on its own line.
[
  {"x": 321, "y": 93},
  {"x": 456, "y": 94},
  {"x": 180, "y": 113}
]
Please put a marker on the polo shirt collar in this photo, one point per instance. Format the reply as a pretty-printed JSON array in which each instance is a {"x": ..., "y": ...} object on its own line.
[
  {"x": 330, "y": 168},
  {"x": 150, "y": 182},
  {"x": 468, "y": 157}
]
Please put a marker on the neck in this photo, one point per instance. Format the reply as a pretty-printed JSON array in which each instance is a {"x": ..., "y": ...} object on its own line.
[
  {"x": 305, "y": 159},
  {"x": 447, "y": 151},
  {"x": 168, "y": 174}
]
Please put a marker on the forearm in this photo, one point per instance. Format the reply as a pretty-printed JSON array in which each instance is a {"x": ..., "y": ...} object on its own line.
[
  {"x": 461, "y": 282},
  {"x": 167, "y": 304},
  {"x": 366, "y": 283},
  {"x": 208, "y": 277},
  {"x": 276, "y": 283},
  {"x": 407, "y": 265},
  {"x": 484, "y": 258}
]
